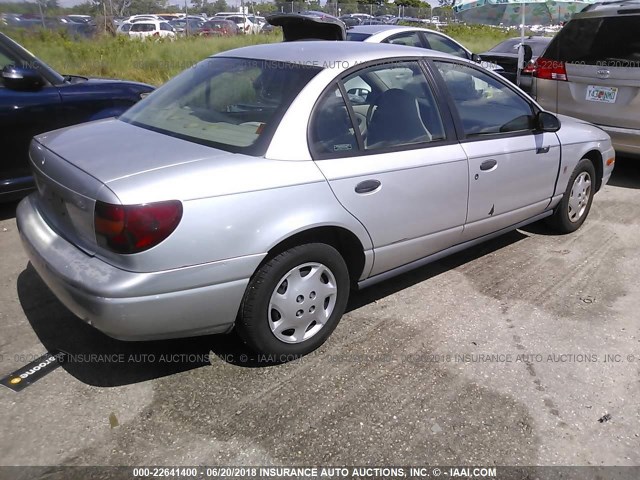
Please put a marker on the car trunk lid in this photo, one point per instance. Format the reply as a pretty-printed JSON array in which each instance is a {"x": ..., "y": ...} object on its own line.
[
  {"x": 73, "y": 168},
  {"x": 66, "y": 196},
  {"x": 506, "y": 60},
  {"x": 299, "y": 26},
  {"x": 111, "y": 149}
]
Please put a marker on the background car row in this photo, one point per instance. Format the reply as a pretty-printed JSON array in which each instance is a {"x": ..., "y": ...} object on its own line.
[{"x": 222, "y": 24}]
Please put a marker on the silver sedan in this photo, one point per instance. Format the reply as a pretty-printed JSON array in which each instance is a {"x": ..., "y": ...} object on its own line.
[
  {"x": 257, "y": 188},
  {"x": 416, "y": 37}
]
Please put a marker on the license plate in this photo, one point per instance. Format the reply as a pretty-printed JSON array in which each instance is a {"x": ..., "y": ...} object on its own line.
[{"x": 602, "y": 94}]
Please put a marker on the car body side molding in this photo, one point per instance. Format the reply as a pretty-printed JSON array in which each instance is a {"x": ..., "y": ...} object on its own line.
[{"x": 447, "y": 251}]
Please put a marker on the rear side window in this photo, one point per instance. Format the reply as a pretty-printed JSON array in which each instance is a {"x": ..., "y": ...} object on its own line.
[
  {"x": 609, "y": 41},
  {"x": 331, "y": 128},
  {"x": 409, "y": 39},
  {"x": 443, "y": 44},
  {"x": 392, "y": 106},
  {"x": 357, "y": 37}
]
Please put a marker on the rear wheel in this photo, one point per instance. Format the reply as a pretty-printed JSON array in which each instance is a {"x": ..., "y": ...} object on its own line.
[
  {"x": 295, "y": 300},
  {"x": 574, "y": 207}
]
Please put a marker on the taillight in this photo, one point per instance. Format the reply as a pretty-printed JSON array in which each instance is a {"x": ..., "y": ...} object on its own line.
[
  {"x": 550, "y": 69},
  {"x": 530, "y": 67},
  {"x": 135, "y": 228}
]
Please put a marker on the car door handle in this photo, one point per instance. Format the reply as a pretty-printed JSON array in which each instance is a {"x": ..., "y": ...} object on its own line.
[
  {"x": 367, "y": 186},
  {"x": 542, "y": 150},
  {"x": 488, "y": 164}
]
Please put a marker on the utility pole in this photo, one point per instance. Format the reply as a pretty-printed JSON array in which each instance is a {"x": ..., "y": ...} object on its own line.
[{"x": 41, "y": 14}]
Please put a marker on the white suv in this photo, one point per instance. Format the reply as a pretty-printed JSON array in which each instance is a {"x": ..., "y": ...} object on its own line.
[{"x": 151, "y": 28}]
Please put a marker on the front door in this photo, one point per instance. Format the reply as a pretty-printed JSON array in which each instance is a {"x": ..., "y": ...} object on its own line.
[
  {"x": 512, "y": 168},
  {"x": 23, "y": 114}
]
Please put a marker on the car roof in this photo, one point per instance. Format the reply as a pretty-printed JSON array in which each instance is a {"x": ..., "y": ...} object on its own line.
[
  {"x": 529, "y": 39},
  {"x": 610, "y": 8},
  {"x": 373, "y": 29},
  {"x": 327, "y": 52}
]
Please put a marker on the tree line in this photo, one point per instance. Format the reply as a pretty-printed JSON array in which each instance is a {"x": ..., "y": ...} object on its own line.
[{"x": 121, "y": 8}]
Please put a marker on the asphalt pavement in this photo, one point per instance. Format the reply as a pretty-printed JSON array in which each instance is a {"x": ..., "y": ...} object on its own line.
[{"x": 522, "y": 351}]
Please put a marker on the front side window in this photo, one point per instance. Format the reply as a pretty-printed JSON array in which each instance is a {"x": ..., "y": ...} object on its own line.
[
  {"x": 484, "y": 104},
  {"x": 228, "y": 103},
  {"x": 5, "y": 58}
]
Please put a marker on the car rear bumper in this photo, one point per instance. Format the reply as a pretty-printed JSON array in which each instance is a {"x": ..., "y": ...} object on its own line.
[
  {"x": 132, "y": 305},
  {"x": 626, "y": 141}
]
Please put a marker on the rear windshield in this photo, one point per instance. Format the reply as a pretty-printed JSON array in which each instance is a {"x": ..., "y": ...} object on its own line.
[
  {"x": 511, "y": 46},
  {"x": 229, "y": 103},
  {"x": 609, "y": 41},
  {"x": 143, "y": 27},
  {"x": 358, "y": 37},
  {"x": 218, "y": 24}
]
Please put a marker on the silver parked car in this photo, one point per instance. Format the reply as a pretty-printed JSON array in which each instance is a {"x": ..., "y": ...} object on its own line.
[
  {"x": 591, "y": 70},
  {"x": 257, "y": 188},
  {"x": 416, "y": 37}
]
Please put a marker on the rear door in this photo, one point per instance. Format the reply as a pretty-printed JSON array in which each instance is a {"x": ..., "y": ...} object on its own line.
[
  {"x": 401, "y": 171},
  {"x": 601, "y": 57}
]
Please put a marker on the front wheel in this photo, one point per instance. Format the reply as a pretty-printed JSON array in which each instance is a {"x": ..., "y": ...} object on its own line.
[
  {"x": 295, "y": 300},
  {"x": 574, "y": 207}
]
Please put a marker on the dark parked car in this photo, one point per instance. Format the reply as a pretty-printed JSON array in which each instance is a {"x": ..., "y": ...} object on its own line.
[
  {"x": 190, "y": 26},
  {"x": 505, "y": 54},
  {"x": 34, "y": 99},
  {"x": 219, "y": 27}
]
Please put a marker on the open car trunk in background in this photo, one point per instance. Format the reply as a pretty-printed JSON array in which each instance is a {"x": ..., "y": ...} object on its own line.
[
  {"x": 508, "y": 61},
  {"x": 298, "y": 26}
]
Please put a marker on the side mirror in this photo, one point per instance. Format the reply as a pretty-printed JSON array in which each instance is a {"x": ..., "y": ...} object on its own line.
[
  {"x": 21, "y": 78},
  {"x": 476, "y": 58},
  {"x": 547, "y": 122},
  {"x": 528, "y": 53},
  {"x": 359, "y": 93}
]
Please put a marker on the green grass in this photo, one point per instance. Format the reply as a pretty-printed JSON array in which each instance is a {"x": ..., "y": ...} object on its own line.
[
  {"x": 149, "y": 61},
  {"x": 478, "y": 38},
  {"x": 155, "y": 61}
]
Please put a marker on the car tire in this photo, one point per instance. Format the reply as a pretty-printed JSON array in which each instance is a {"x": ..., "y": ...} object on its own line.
[
  {"x": 294, "y": 301},
  {"x": 574, "y": 207}
]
